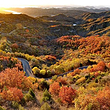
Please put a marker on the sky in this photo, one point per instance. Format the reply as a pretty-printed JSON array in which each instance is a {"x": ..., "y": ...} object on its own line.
[{"x": 29, "y": 3}]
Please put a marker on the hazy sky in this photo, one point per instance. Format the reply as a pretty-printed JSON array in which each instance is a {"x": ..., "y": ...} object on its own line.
[{"x": 14, "y": 3}]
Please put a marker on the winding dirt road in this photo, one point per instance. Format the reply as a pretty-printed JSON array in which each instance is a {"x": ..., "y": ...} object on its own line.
[
  {"x": 26, "y": 67},
  {"x": 28, "y": 70}
]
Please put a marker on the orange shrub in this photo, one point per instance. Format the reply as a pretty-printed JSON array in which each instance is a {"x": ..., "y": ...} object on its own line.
[
  {"x": 101, "y": 63},
  {"x": 62, "y": 81},
  {"x": 99, "y": 67},
  {"x": 77, "y": 71},
  {"x": 103, "y": 97},
  {"x": 14, "y": 78},
  {"x": 12, "y": 94},
  {"x": 54, "y": 88},
  {"x": 67, "y": 94},
  {"x": 50, "y": 57},
  {"x": 19, "y": 65}
]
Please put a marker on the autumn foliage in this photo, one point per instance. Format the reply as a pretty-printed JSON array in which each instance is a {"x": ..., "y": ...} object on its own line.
[
  {"x": 103, "y": 98},
  {"x": 96, "y": 101},
  {"x": 14, "y": 78},
  {"x": 67, "y": 94},
  {"x": 90, "y": 44},
  {"x": 54, "y": 88},
  {"x": 68, "y": 41},
  {"x": 50, "y": 57},
  {"x": 12, "y": 94},
  {"x": 63, "y": 81},
  {"x": 99, "y": 67},
  {"x": 10, "y": 81}
]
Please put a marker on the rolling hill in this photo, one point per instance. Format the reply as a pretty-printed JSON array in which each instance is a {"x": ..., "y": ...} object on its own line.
[{"x": 69, "y": 54}]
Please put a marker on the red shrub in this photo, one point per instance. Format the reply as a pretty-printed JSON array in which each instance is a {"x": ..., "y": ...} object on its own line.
[
  {"x": 101, "y": 63},
  {"x": 67, "y": 94},
  {"x": 54, "y": 88},
  {"x": 100, "y": 67}
]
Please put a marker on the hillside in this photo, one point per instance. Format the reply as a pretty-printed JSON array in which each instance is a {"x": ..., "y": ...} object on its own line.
[
  {"x": 84, "y": 25},
  {"x": 69, "y": 57},
  {"x": 95, "y": 24}
]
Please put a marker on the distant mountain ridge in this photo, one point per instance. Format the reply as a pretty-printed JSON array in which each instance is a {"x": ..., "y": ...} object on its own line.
[
  {"x": 86, "y": 23},
  {"x": 69, "y": 11}
]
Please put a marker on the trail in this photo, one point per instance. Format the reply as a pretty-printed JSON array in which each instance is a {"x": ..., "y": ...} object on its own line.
[{"x": 28, "y": 71}]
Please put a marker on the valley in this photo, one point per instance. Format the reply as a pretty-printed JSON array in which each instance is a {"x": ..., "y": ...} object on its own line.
[{"x": 55, "y": 62}]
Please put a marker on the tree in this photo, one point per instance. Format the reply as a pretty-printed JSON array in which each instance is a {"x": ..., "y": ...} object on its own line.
[
  {"x": 67, "y": 94},
  {"x": 45, "y": 106},
  {"x": 54, "y": 88},
  {"x": 14, "y": 78},
  {"x": 12, "y": 94}
]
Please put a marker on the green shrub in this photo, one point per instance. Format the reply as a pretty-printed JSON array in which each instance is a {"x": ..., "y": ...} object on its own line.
[
  {"x": 88, "y": 80},
  {"x": 1, "y": 108},
  {"x": 46, "y": 96},
  {"x": 15, "y": 104},
  {"x": 49, "y": 73},
  {"x": 54, "y": 77},
  {"x": 31, "y": 93},
  {"x": 21, "y": 108},
  {"x": 89, "y": 106},
  {"x": 45, "y": 106},
  {"x": 29, "y": 96}
]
